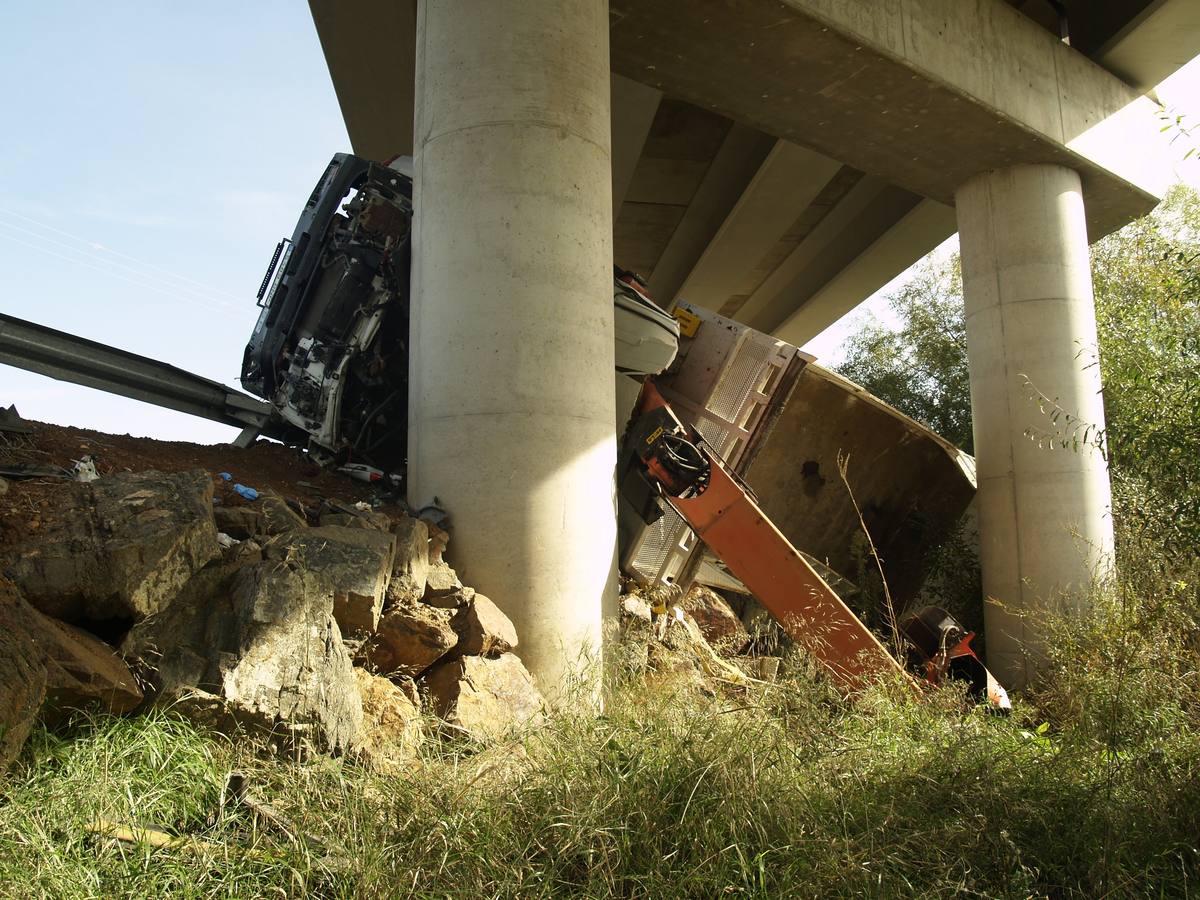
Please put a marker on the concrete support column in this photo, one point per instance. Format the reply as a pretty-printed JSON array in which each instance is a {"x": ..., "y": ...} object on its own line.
[
  {"x": 511, "y": 396},
  {"x": 1044, "y": 512}
]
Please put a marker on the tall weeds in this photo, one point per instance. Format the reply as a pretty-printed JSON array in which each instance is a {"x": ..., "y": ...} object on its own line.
[{"x": 783, "y": 790}]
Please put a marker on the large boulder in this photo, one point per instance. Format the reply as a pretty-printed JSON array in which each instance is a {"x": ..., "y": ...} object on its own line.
[
  {"x": 278, "y": 517},
  {"x": 411, "y": 567},
  {"x": 352, "y": 564},
  {"x": 239, "y": 522},
  {"x": 391, "y": 732},
  {"x": 718, "y": 622},
  {"x": 483, "y": 630},
  {"x": 334, "y": 512},
  {"x": 23, "y": 675},
  {"x": 83, "y": 673},
  {"x": 410, "y": 638},
  {"x": 483, "y": 698},
  {"x": 118, "y": 548},
  {"x": 256, "y": 644},
  {"x": 269, "y": 515},
  {"x": 441, "y": 580}
]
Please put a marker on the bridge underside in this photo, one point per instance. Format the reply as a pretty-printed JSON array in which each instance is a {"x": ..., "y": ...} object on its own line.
[
  {"x": 779, "y": 162},
  {"x": 776, "y": 161}
]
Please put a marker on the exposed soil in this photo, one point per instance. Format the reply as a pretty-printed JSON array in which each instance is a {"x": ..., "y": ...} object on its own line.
[{"x": 265, "y": 466}]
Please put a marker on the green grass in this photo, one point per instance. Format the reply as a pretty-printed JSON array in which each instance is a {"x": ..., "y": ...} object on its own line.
[{"x": 783, "y": 791}]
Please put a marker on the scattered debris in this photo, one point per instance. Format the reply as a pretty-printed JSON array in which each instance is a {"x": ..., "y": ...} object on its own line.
[
  {"x": 214, "y": 605},
  {"x": 247, "y": 493},
  {"x": 85, "y": 469},
  {"x": 16, "y": 435},
  {"x": 17, "y": 471},
  {"x": 360, "y": 472},
  {"x": 433, "y": 514},
  {"x": 152, "y": 837}
]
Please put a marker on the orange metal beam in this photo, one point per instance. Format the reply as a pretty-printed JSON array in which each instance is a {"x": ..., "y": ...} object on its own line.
[{"x": 726, "y": 518}]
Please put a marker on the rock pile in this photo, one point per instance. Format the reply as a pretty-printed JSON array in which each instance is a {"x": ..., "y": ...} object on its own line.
[
  {"x": 694, "y": 641},
  {"x": 337, "y": 628}
]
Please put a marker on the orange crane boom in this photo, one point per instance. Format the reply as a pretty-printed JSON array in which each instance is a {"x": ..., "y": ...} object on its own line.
[
  {"x": 726, "y": 518},
  {"x": 724, "y": 514}
]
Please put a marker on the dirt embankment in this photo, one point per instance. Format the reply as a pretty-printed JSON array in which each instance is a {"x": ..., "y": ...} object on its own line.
[{"x": 265, "y": 466}]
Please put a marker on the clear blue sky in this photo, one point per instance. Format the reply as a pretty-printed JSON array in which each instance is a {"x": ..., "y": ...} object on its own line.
[{"x": 153, "y": 154}]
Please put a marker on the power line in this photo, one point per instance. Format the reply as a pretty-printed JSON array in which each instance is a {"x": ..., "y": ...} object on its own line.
[
  {"x": 98, "y": 246},
  {"x": 211, "y": 304},
  {"x": 149, "y": 277}
]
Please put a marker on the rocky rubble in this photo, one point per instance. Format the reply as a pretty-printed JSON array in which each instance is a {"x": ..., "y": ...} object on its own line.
[
  {"x": 692, "y": 642},
  {"x": 354, "y": 565},
  {"x": 333, "y": 627},
  {"x": 263, "y": 651},
  {"x": 467, "y": 692},
  {"x": 22, "y": 679},
  {"x": 116, "y": 548},
  {"x": 330, "y": 625},
  {"x": 51, "y": 669}
]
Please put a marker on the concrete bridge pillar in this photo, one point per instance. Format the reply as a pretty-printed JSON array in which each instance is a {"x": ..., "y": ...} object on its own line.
[
  {"x": 1044, "y": 512},
  {"x": 511, "y": 398}
]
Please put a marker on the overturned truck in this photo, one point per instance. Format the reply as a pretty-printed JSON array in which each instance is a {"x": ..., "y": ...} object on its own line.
[
  {"x": 329, "y": 358},
  {"x": 330, "y": 350}
]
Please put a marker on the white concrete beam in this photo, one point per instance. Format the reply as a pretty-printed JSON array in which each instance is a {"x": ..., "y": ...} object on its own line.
[
  {"x": 870, "y": 206},
  {"x": 926, "y": 94},
  {"x": 370, "y": 49},
  {"x": 511, "y": 402},
  {"x": 916, "y": 234},
  {"x": 787, "y": 182},
  {"x": 735, "y": 164},
  {"x": 633, "y": 108},
  {"x": 1045, "y": 517},
  {"x": 1164, "y": 39}
]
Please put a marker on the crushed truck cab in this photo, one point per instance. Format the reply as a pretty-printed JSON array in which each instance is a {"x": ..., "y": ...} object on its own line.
[{"x": 330, "y": 348}]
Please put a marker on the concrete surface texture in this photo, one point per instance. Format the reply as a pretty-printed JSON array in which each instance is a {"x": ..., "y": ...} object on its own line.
[
  {"x": 925, "y": 94},
  {"x": 871, "y": 113},
  {"x": 511, "y": 399},
  {"x": 1044, "y": 511}
]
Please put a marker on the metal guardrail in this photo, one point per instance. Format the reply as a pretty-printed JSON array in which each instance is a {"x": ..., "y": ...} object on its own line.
[{"x": 66, "y": 357}]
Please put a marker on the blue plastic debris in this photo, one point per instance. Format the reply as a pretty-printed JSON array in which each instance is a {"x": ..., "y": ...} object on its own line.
[
  {"x": 225, "y": 476},
  {"x": 248, "y": 492}
]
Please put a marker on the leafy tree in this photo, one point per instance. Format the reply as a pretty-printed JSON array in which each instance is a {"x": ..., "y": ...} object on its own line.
[
  {"x": 1147, "y": 280},
  {"x": 921, "y": 367},
  {"x": 1147, "y": 284}
]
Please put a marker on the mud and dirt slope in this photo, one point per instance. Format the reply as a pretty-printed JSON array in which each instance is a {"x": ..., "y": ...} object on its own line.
[{"x": 265, "y": 466}]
